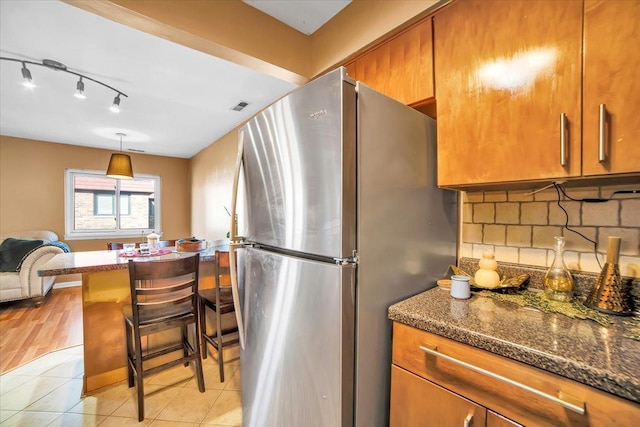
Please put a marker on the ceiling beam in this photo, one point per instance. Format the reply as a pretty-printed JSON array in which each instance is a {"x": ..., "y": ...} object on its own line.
[{"x": 230, "y": 30}]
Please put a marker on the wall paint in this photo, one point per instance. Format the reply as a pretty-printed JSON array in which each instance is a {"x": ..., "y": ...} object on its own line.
[
  {"x": 32, "y": 186},
  {"x": 211, "y": 184}
]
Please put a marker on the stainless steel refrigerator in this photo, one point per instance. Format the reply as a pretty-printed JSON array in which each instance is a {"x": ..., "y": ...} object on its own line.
[{"x": 342, "y": 218}]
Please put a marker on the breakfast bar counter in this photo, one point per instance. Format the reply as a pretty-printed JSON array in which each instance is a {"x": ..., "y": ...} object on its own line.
[
  {"x": 105, "y": 289},
  {"x": 97, "y": 261}
]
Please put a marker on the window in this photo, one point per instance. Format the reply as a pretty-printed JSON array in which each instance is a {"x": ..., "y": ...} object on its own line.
[
  {"x": 105, "y": 204},
  {"x": 97, "y": 206}
]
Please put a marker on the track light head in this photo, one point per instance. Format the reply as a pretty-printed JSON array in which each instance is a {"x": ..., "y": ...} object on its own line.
[
  {"x": 80, "y": 90},
  {"x": 27, "y": 81},
  {"x": 116, "y": 104}
]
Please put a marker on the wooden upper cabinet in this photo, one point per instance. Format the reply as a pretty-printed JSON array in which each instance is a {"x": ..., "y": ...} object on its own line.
[
  {"x": 401, "y": 67},
  {"x": 612, "y": 64},
  {"x": 351, "y": 69},
  {"x": 373, "y": 68},
  {"x": 505, "y": 71}
]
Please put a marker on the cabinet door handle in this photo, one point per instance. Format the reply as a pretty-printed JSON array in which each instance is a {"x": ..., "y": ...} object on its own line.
[
  {"x": 563, "y": 139},
  {"x": 602, "y": 121},
  {"x": 468, "y": 422},
  {"x": 569, "y": 402}
]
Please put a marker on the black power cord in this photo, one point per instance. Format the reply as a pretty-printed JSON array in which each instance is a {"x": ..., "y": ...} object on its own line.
[
  {"x": 559, "y": 189},
  {"x": 595, "y": 200}
]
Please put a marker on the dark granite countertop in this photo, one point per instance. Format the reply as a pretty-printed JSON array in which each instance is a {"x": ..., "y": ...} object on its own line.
[{"x": 580, "y": 350}]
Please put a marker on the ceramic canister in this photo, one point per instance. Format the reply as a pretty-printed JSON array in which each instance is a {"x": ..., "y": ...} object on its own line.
[{"x": 460, "y": 287}]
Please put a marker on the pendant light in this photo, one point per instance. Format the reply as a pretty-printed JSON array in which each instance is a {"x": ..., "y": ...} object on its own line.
[{"x": 120, "y": 164}]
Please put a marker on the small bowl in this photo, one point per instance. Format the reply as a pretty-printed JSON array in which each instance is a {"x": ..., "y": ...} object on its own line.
[{"x": 444, "y": 284}]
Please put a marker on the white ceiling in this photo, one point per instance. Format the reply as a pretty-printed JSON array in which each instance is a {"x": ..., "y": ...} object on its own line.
[
  {"x": 305, "y": 16},
  {"x": 179, "y": 100}
]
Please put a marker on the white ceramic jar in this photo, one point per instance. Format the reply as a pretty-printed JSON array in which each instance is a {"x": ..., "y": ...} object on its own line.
[{"x": 460, "y": 288}]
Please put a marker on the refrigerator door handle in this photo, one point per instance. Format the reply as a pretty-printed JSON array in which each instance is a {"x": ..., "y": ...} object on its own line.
[{"x": 236, "y": 242}]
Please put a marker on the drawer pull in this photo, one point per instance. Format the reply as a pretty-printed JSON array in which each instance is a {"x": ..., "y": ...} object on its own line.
[
  {"x": 563, "y": 399},
  {"x": 468, "y": 422}
]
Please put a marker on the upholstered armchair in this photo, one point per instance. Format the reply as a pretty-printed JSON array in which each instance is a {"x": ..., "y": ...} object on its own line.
[{"x": 20, "y": 258}]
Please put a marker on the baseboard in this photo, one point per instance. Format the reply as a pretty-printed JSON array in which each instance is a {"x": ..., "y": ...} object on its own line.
[{"x": 71, "y": 284}]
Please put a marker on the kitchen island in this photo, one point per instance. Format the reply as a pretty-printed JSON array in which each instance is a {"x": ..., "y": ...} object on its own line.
[
  {"x": 522, "y": 343},
  {"x": 105, "y": 289}
]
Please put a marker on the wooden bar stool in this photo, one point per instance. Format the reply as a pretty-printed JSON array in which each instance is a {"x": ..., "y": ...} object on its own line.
[
  {"x": 164, "y": 296},
  {"x": 220, "y": 301}
]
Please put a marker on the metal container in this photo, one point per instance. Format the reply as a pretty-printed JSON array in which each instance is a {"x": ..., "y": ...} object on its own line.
[{"x": 611, "y": 293}]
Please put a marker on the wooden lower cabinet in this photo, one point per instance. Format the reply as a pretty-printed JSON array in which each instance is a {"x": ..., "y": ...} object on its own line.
[
  {"x": 416, "y": 402},
  {"x": 497, "y": 420},
  {"x": 432, "y": 390}
]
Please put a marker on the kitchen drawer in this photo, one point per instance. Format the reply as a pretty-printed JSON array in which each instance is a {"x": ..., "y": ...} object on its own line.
[
  {"x": 497, "y": 420},
  {"x": 523, "y": 406},
  {"x": 416, "y": 402}
]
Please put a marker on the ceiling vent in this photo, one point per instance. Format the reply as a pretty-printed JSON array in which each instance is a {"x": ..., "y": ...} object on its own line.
[
  {"x": 240, "y": 106},
  {"x": 135, "y": 150}
]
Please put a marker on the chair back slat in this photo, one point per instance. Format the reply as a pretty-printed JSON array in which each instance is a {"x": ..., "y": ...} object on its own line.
[
  {"x": 155, "y": 304},
  {"x": 164, "y": 269},
  {"x": 182, "y": 284}
]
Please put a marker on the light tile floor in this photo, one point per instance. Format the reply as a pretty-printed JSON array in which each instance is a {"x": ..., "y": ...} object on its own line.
[{"x": 48, "y": 392}]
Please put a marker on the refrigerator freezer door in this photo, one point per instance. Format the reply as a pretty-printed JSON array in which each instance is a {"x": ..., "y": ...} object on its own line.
[
  {"x": 299, "y": 170},
  {"x": 297, "y": 365}
]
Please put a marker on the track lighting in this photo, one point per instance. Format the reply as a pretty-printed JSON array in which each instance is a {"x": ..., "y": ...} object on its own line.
[
  {"x": 27, "y": 80},
  {"x": 115, "y": 107},
  {"x": 80, "y": 89}
]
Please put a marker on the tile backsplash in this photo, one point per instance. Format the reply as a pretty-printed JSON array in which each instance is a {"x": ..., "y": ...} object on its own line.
[{"x": 519, "y": 226}]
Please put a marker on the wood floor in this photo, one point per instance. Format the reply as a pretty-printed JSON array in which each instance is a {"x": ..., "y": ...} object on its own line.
[{"x": 27, "y": 332}]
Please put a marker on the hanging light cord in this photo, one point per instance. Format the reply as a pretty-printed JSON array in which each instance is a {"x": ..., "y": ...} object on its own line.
[
  {"x": 57, "y": 66},
  {"x": 559, "y": 189}
]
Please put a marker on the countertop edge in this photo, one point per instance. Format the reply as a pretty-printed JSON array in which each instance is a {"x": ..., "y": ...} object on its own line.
[{"x": 77, "y": 270}]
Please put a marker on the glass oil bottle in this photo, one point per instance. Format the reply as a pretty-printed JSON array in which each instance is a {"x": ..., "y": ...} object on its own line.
[{"x": 558, "y": 283}]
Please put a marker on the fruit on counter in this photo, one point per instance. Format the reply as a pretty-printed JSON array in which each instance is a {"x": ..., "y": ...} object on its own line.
[{"x": 487, "y": 277}]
